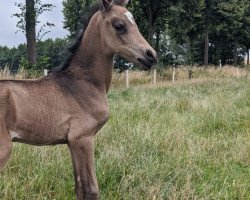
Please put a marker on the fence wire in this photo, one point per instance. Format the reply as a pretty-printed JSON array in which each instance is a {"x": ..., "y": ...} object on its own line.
[{"x": 132, "y": 78}]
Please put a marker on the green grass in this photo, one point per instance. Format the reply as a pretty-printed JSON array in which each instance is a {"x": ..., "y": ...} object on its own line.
[{"x": 188, "y": 140}]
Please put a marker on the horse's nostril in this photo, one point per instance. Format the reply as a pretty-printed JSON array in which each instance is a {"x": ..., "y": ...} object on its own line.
[{"x": 150, "y": 56}]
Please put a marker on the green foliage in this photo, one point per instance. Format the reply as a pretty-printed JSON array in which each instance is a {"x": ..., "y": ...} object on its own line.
[
  {"x": 228, "y": 24},
  {"x": 12, "y": 56},
  {"x": 151, "y": 18},
  {"x": 24, "y": 63},
  {"x": 73, "y": 11},
  {"x": 35, "y": 70},
  {"x": 50, "y": 54},
  {"x": 175, "y": 28},
  {"x": 40, "y": 8}
]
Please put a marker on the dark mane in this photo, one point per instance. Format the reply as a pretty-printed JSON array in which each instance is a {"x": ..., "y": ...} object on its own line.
[{"x": 73, "y": 47}]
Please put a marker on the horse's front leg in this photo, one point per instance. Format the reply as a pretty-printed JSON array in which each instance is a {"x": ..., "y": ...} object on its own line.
[{"x": 82, "y": 152}]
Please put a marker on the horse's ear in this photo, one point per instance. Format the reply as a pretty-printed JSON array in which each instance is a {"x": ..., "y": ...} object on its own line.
[
  {"x": 107, "y": 4},
  {"x": 121, "y": 2}
]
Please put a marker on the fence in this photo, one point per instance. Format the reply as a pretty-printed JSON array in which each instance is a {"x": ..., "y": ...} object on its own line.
[{"x": 131, "y": 78}]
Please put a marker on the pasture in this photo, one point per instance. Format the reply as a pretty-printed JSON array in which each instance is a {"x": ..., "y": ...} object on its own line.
[{"x": 187, "y": 140}]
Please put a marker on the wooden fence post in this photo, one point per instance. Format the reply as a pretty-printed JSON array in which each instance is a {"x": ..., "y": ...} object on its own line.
[
  {"x": 45, "y": 71},
  {"x": 190, "y": 74},
  {"x": 173, "y": 79},
  {"x": 154, "y": 80},
  {"x": 220, "y": 64},
  {"x": 127, "y": 78},
  {"x": 237, "y": 72}
]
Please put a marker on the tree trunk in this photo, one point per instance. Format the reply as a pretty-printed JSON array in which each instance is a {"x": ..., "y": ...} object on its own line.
[
  {"x": 191, "y": 51},
  {"x": 157, "y": 43},
  {"x": 248, "y": 56},
  {"x": 206, "y": 45},
  {"x": 151, "y": 27},
  {"x": 30, "y": 18},
  {"x": 235, "y": 56}
]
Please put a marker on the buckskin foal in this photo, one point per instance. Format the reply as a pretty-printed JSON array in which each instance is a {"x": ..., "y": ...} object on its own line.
[{"x": 70, "y": 105}]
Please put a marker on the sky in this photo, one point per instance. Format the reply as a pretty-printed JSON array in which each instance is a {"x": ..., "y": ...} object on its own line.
[{"x": 8, "y": 35}]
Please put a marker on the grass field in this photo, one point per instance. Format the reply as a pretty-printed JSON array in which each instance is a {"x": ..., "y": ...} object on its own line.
[{"x": 187, "y": 140}]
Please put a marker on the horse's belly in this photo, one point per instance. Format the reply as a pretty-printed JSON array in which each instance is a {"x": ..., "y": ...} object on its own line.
[
  {"x": 46, "y": 137},
  {"x": 41, "y": 129}
]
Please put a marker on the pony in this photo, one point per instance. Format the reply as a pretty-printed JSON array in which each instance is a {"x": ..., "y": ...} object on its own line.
[{"x": 70, "y": 105}]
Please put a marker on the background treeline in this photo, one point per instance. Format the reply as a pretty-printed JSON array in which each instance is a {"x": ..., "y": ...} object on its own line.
[
  {"x": 50, "y": 53},
  {"x": 190, "y": 32}
]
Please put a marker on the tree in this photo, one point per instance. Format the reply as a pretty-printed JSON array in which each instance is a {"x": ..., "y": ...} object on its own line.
[
  {"x": 209, "y": 20},
  {"x": 73, "y": 11},
  {"x": 232, "y": 13},
  {"x": 154, "y": 13},
  {"x": 185, "y": 26},
  {"x": 51, "y": 50},
  {"x": 202, "y": 31},
  {"x": 206, "y": 46},
  {"x": 211, "y": 30},
  {"x": 50, "y": 53},
  {"x": 30, "y": 27},
  {"x": 28, "y": 20},
  {"x": 245, "y": 39}
]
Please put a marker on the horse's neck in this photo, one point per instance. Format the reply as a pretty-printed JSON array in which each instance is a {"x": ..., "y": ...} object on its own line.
[{"x": 91, "y": 60}]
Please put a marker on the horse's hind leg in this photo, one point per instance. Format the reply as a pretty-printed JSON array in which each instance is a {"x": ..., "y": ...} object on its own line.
[{"x": 5, "y": 145}]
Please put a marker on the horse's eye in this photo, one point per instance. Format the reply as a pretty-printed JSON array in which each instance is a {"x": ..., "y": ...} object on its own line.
[{"x": 120, "y": 28}]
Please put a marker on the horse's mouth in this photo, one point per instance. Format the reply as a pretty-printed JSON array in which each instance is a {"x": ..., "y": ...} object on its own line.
[{"x": 144, "y": 64}]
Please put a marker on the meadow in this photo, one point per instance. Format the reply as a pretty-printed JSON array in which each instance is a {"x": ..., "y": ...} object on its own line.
[{"x": 184, "y": 140}]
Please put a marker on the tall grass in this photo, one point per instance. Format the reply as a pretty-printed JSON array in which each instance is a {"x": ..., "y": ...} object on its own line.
[
  {"x": 187, "y": 140},
  {"x": 165, "y": 75},
  {"x": 6, "y": 73}
]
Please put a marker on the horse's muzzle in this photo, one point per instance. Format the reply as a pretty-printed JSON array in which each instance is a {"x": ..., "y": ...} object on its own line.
[
  {"x": 149, "y": 60},
  {"x": 151, "y": 57}
]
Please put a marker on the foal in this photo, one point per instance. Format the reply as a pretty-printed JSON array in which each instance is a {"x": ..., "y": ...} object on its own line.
[{"x": 70, "y": 105}]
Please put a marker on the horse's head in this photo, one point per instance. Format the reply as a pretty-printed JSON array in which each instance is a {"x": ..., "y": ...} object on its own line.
[{"x": 122, "y": 37}]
